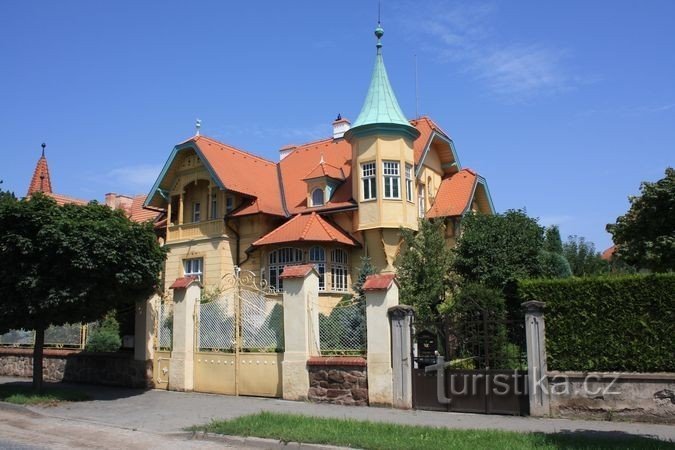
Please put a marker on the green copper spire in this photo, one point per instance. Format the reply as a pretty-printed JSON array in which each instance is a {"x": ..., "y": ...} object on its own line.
[{"x": 381, "y": 106}]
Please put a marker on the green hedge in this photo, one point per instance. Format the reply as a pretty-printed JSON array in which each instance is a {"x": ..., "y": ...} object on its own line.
[{"x": 615, "y": 323}]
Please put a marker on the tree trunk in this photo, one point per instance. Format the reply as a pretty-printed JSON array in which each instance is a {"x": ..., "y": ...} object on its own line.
[{"x": 37, "y": 358}]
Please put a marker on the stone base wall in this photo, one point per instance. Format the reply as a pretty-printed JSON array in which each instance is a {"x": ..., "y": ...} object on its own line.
[
  {"x": 114, "y": 369},
  {"x": 341, "y": 381},
  {"x": 642, "y": 397}
]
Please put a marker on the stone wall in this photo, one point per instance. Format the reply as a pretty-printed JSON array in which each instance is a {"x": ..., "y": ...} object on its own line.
[
  {"x": 645, "y": 397},
  {"x": 115, "y": 369},
  {"x": 339, "y": 380}
]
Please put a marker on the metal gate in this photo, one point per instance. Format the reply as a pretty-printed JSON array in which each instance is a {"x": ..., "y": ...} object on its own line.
[
  {"x": 239, "y": 339},
  {"x": 482, "y": 361}
]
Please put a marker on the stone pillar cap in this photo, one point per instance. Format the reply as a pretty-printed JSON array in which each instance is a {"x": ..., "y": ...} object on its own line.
[
  {"x": 185, "y": 282},
  {"x": 379, "y": 282},
  {"x": 399, "y": 311},
  {"x": 300, "y": 271},
  {"x": 533, "y": 306}
]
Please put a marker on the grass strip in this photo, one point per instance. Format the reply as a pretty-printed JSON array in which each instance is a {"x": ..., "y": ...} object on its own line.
[
  {"x": 374, "y": 435},
  {"x": 24, "y": 395}
]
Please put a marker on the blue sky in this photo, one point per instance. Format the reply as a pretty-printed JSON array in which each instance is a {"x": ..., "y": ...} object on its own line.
[{"x": 563, "y": 107}]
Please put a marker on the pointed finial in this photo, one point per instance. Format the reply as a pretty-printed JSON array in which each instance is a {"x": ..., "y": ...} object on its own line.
[
  {"x": 43, "y": 149},
  {"x": 198, "y": 125},
  {"x": 322, "y": 162},
  {"x": 379, "y": 32}
]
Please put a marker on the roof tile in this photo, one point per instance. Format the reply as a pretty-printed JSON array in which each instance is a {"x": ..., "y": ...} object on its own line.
[
  {"x": 454, "y": 195},
  {"x": 309, "y": 228}
]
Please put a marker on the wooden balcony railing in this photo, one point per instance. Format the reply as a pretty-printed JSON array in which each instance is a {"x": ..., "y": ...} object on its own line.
[{"x": 209, "y": 228}]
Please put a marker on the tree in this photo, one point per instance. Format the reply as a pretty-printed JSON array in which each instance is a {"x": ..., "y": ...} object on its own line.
[
  {"x": 582, "y": 257},
  {"x": 495, "y": 250},
  {"x": 552, "y": 240},
  {"x": 551, "y": 260},
  {"x": 645, "y": 235},
  {"x": 6, "y": 195},
  {"x": 424, "y": 270},
  {"x": 68, "y": 264},
  {"x": 105, "y": 337}
]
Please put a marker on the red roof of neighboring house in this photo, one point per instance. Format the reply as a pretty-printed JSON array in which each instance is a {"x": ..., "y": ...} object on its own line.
[
  {"x": 608, "y": 254},
  {"x": 184, "y": 282},
  {"x": 41, "y": 182},
  {"x": 138, "y": 213},
  {"x": 309, "y": 228},
  {"x": 65, "y": 199},
  {"x": 379, "y": 282},
  {"x": 298, "y": 271},
  {"x": 454, "y": 194}
]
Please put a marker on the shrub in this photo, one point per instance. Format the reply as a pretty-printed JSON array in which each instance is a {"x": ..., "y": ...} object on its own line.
[
  {"x": 620, "y": 323},
  {"x": 106, "y": 337}
]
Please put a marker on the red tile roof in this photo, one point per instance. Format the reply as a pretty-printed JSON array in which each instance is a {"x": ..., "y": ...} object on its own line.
[
  {"x": 608, "y": 254},
  {"x": 65, "y": 199},
  {"x": 245, "y": 173},
  {"x": 308, "y": 228},
  {"x": 325, "y": 170},
  {"x": 299, "y": 271},
  {"x": 379, "y": 282},
  {"x": 41, "y": 182},
  {"x": 138, "y": 213},
  {"x": 454, "y": 195},
  {"x": 184, "y": 282}
]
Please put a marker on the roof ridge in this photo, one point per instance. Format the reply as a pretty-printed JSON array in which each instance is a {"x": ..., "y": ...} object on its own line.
[
  {"x": 309, "y": 222},
  {"x": 231, "y": 147},
  {"x": 321, "y": 222}
]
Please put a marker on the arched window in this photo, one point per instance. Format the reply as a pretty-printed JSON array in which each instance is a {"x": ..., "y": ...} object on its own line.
[
  {"x": 317, "y": 197},
  {"x": 277, "y": 260},
  {"x": 317, "y": 256},
  {"x": 339, "y": 268}
]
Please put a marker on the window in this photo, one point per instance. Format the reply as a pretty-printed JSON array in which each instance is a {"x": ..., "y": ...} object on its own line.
[
  {"x": 369, "y": 181},
  {"x": 196, "y": 212},
  {"x": 193, "y": 266},
  {"x": 339, "y": 268},
  {"x": 421, "y": 204},
  {"x": 214, "y": 206},
  {"x": 392, "y": 180},
  {"x": 409, "y": 182},
  {"x": 317, "y": 197},
  {"x": 229, "y": 204},
  {"x": 278, "y": 259},
  {"x": 317, "y": 256}
]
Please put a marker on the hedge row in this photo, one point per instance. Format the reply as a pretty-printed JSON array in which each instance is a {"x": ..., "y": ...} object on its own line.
[{"x": 622, "y": 323}]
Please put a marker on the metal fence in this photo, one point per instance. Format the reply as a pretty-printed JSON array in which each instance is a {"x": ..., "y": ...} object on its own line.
[
  {"x": 216, "y": 325},
  {"x": 343, "y": 331},
  {"x": 262, "y": 322},
  {"x": 165, "y": 326},
  {"x": 63, "y": 336}
]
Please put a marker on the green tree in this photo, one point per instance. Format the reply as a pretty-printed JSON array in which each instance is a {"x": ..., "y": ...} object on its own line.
[
  {"x": 424, "y": 270},
  {"x": 552, "y": 240},
  {"x": 105, "y": 337},
  {"x": 645, "y": 235},
  {"x": 552, "y": 263},
  {"x": 365, "y": 270},
  {"x": 69, "y": 264},
  {"x": 496, "y": 250},
  {"x": 582, "y": 257},
  {"x": 6, "y": 195}
]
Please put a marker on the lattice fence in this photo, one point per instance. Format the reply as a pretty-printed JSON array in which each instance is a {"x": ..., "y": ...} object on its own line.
[
  {"x": 165, "y": 326},
  {"x": 343, "y": 331},
  {"x": 68, "y": 335},
  {"x": 216, "y": 325},
  {"x": 262, "y": 322}
]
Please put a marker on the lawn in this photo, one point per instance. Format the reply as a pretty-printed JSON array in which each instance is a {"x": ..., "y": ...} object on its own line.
[
  {"x": 24, "y": 395},
  {"x": 371, "y": 435}
]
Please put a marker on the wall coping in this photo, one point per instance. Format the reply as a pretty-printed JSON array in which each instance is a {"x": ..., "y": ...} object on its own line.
[
  {"x": 355, "y": 361},
  {"x": 646, "y": 376}
]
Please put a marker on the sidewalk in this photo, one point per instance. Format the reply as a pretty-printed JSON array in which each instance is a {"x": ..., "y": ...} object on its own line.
[{"x": 169, "y": 412}]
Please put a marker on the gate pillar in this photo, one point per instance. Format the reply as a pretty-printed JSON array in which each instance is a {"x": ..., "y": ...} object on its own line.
[
  {"x": 537, "y": 372},
  {"x": 144, "y": 327},
  {"x": 301, "y": 321},
  {"x": 186, "y": 292},
  {"x": 381, "y": 294},
  {"x": 401, "y": 349}
]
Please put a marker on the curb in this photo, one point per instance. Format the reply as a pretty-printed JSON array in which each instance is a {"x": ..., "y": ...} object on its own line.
[
  {"x": 20, "y": 409},
  {"x": 250, "y": 441}
]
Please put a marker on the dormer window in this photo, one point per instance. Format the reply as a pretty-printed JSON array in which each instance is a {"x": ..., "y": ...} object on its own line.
[{"x": 317, "y": 197}]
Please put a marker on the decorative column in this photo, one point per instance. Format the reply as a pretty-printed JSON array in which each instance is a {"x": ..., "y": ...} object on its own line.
[
  {"x": 301, "y": 319},
  {"x": 186, "y": 292},
  {"x": 537, "y": 372},
  {"x": 181, "y": 208},
  {"x": 401, "y": 318},
  {"x": 381, "y": 294}
]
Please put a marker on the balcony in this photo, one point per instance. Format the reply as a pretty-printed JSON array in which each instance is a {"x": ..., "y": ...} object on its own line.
[{"x": 195, "y": 230}]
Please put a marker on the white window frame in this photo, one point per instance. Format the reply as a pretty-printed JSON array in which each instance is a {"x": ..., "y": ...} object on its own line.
[
  {"x": 323, "y": 197},
  {"x": 277, "y": 260},
  {"x": 194, "y": 267},
  {"x": 409, "y": 182},
  {"x": 339, "y": 270},
  {"x": 421, "y": 202},
  {"x": 391, "y": 180},
  {"x": 196, "y": 212},
  {"x": 369, "y": 180},
  {"x": 317, "y": 256}
]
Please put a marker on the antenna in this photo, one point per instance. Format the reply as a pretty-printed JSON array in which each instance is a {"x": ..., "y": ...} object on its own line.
[
  {"x": 417, "y": 91},
  {"x": 198, "y": 125},
  {"x": 379, "y": 8}
]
